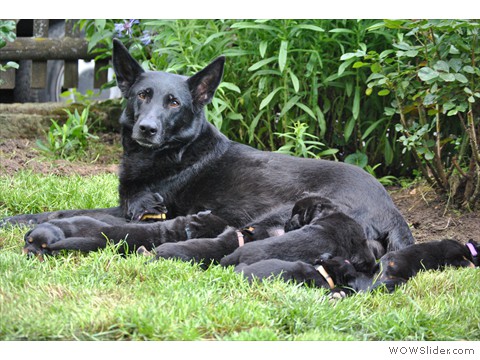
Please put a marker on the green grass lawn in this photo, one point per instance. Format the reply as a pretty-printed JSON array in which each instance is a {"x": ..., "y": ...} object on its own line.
[{"x": 105, "y": 296}]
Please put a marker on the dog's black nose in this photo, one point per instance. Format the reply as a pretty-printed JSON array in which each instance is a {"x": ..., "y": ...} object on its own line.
[{"x": 148, "y": 128}]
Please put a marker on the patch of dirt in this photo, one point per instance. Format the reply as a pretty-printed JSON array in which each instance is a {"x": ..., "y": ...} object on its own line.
[
  {"x": 23, "y": 154},
  {"x": 427, "y": 213}
]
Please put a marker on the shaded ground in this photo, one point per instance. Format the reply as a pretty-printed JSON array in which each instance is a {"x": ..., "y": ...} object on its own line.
[{"x": 428, "y": 214}]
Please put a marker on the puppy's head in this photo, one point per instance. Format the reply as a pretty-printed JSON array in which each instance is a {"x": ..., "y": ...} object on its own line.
[
  {"x": 308, "y": 209},
  {"x": 341, "y": 270},
  {"x": 474, "y": 249},
  {"x": 456, "y": 254}
]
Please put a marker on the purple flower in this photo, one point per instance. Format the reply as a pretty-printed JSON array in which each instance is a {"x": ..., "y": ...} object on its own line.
[
  {"x": 146, "y": 37},
  {"x": 126, "y": 27}
]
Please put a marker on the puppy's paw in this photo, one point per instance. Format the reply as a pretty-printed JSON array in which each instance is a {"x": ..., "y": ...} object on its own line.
[
  {"x": 336, "y": 294},
  {"x": 38, "y": 240},
  {"x": 142, "y": 250}
]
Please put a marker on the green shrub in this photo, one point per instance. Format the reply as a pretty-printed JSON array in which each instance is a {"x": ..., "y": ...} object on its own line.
[{"x": 68, "y": 141}]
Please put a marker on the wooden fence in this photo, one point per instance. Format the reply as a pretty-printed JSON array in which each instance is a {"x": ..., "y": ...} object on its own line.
[{"x": 39, "y": 48}]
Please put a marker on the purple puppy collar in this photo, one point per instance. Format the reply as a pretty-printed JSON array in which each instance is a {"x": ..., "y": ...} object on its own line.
[{"x": 472, "y": 249}]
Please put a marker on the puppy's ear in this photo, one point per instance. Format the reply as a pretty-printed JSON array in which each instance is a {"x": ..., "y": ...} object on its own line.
[
  {"x": 126, "y": 68},
  {"x": 203, "y": 84}
]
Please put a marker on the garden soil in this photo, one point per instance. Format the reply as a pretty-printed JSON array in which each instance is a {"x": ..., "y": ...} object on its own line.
[{"x": 429, "y": 215}]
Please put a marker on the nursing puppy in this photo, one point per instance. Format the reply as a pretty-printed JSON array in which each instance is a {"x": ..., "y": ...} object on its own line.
[
  {"x": 316, "y": 228},
  {"x": 397, "y": 267},
  {"x": 336, "y": 274},
  {"x": 61, "y": 234}
]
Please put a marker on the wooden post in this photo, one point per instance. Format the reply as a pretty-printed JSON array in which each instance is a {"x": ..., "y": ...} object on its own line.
[
  {"x": 39, "y": 68},
  {"x": 71, "y": 66}
]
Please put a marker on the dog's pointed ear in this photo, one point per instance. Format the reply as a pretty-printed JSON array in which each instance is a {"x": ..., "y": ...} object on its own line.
[
  {"x": 126, "y": 68},
  {"x": 203, "y": 84}
]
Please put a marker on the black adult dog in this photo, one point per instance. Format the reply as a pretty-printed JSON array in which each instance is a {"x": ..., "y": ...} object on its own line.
[{"x": 170, "y": 149}]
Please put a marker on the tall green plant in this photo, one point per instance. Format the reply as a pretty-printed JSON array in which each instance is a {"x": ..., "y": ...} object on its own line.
[
  {"x": 278, "y": 72},
  {"x": 68, "y": 141},
  {"x": 430, "y": 75}
]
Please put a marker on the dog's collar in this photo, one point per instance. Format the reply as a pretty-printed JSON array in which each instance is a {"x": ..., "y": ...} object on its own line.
[
  {"x": 241, "y": 239},
  {"x": 325, "y": 275},
  {"x": 472, "y": 249}
]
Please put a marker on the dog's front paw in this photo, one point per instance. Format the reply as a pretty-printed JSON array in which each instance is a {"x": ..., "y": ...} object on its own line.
[
  {"x": 147, "y": 206},
  {"x": 38, "y": 240}
]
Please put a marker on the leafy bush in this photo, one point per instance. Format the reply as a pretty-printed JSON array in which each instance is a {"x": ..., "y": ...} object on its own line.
[
  {"x": 430, "y": 75},
  {"x": 278, "y": 72},
  {"x": 68, "y": 141}
]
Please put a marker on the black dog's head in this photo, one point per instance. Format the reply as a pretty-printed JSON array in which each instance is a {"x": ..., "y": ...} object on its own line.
[
  {"x": 307, "y": 209},
  {"x": 164, "y": 111}
]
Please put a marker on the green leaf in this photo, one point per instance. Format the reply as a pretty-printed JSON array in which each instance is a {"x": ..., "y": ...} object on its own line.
[
  {"x": 349, "y": 129},
  {"x": 231, "y": 86},
  {"x": 311, "y": 27},
  {"x": 348, "y": 56},
  {"x": 290, "y": 103},
  {"x": 469, "y": 69},
  {"x": 388, "y": 154},
  {"x": 359, "y": 159},
  {"x": 441, "y": 66},
  {"x": 269, "y": 98},
  {"x": 429, "y": 99},
  {"x": 447, "y": 77},
  {"x": 282, "y": 55},
  {"x": 12, "y": 64},
  {"x": 306, "y": 109},
  {"x": 343, "y": 66},
  {"x": 356, "y": 103},
  {"x": 295, "y": 81},
  {"x": 461, "y": 78},
  {"x": 426, "y": 74},
  {"x": 371, "y": 128},
  {"x": 358, "y": 64},
  {"x": 455, "y": 64},
  {"x": 261, "y": 63},
  {"x": 263, "y": 48},
  {"x": 429, "y": 155},
  {"x": 340, "y": 30},
  {"x": 376, "y": 68}
]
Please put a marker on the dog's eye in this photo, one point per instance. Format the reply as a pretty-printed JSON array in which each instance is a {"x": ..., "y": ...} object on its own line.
[
  {"x": 142, "y": 95},
  {"x": 172, "y": 101}
]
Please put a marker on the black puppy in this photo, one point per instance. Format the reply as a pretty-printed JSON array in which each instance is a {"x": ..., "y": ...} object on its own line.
[
  {"x": 61, "y": 234},
  {"x": 316, "y": 228},
  {"x": 336, "y": 274},
  {"x": 204, "y": 251},
  {"x": 171, "y": 149},
  {"x": 397, "y": 267}
]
